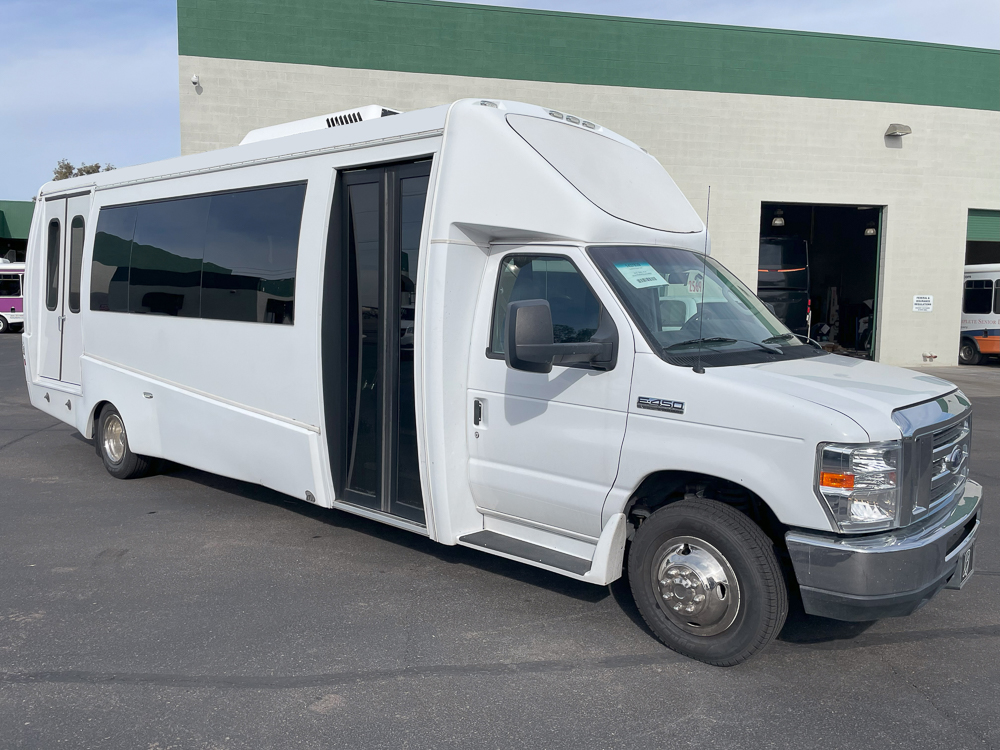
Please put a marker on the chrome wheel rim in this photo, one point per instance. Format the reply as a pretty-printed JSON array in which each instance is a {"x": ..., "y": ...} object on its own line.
[
  {"x": 696, "y": 587},
  {"x": 113, "y": 439},
  {"x": 966, "y": 352}
]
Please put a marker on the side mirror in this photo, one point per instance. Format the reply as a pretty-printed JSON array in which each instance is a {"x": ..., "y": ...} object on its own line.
[
  {"x": 528, "y": 336},
  {"x": 528, "y": 340}
]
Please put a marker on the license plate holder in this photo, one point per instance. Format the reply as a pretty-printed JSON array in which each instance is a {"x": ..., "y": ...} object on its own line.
[{"x": 965, "y": 568}]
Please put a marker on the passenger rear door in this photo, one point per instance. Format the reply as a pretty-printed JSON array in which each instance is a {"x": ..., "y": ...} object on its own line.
[
  {"x": 60, "y": 303},
  {"x": 544, "y": 447}
]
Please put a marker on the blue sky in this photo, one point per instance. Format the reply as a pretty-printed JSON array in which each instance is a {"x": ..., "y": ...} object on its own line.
[{"x": 96, "y": 80}]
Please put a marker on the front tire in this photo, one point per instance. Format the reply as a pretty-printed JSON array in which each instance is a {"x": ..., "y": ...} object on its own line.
[
  {"x": 968, "y": 353},
  {"x": 112, "y": 445},
  {"x": 4, "y": 324},
  {"x": 707, "y": 581}
]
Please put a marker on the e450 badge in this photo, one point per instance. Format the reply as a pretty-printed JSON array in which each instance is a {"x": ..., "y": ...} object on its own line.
[{"x": 660, "y": 404}]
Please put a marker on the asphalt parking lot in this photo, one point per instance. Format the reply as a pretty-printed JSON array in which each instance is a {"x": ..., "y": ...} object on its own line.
[{"x": 186, "y": 610}]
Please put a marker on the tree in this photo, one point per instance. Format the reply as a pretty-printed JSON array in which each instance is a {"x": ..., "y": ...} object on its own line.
[{"x": 64, "y": 170}]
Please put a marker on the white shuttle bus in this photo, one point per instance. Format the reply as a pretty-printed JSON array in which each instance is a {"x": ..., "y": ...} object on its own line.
[
  {"x": 499, "y": 326},
  {"x": 980, "y": 314}
]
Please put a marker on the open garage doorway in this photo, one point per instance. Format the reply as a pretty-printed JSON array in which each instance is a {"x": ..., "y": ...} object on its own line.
[{"x": 819, "y": 270}]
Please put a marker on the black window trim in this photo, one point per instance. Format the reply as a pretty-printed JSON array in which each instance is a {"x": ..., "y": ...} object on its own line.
[
  {"x": 208, "y": 194},
  {"x": 490, "y": 354},
  {"x": 79, "y": 279},
  {"x": 48, "y": 262}
]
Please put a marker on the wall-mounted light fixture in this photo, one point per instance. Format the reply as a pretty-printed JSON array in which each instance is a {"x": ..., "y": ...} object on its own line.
[
  {"x": 195, "y": 80},
  {"x": 870, "y": 230},
  {"x": 899, "y": 130},
  {"x": 779, "y": 219}
]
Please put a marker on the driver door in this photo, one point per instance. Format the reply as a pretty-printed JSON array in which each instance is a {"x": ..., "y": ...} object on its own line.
[{"x": 544, "y": 447}]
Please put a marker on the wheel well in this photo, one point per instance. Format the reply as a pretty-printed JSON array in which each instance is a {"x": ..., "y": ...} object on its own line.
[
  {"x": 665, "y": 487},
  {"x": 92, "y": 420}
]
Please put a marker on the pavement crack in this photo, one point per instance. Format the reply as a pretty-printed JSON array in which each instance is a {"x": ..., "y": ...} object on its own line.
[
  {"x": 28, "y": 435},
  {"x": 626, "y": 661}
]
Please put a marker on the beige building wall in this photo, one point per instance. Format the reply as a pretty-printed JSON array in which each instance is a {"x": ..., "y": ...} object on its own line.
[{"x": 749, "y": 148}]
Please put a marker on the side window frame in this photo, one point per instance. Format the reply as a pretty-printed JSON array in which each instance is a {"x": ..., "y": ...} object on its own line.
[
  {"x": 52, "y": 271},
  {"x": 602, "y": 311},
  {"x": 75, "y": 262}
]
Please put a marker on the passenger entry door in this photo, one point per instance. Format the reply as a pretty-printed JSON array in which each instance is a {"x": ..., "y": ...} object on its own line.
[
  {"x": 370, "y": 300},
  {"x": 61, "y": 334},
  {"x": 544, "y": 447}
]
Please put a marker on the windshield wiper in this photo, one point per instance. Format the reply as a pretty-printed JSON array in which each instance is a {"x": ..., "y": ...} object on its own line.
[
  {"x": 779, "y": 337},
  {"x": 723, "y": 340}
]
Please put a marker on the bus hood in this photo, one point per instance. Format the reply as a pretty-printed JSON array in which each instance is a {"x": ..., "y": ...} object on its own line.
[{"x": 867, "y": 392}]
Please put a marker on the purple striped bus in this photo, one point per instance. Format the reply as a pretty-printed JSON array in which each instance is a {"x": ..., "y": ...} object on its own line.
[{"x": 11, "y": 296}]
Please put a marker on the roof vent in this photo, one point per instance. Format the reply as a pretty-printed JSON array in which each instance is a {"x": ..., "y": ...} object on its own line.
[{"x": 334, "y": 120}]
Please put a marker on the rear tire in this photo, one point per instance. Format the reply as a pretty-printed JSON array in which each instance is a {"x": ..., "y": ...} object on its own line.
[
  {"x": 112, "y": 445},
  {"x": 707, "y": 581},
  {"x": 968, "y": 353},
  {"x": 4, "y": 325}
]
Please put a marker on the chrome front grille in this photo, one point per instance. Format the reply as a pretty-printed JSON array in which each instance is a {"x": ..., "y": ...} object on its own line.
[
  {"x": 937, "y": 440},
  {"x": 949, "y": 462}
]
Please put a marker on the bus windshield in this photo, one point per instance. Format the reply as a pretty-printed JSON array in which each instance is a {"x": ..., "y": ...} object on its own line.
[{"x": 689, "y": 307}]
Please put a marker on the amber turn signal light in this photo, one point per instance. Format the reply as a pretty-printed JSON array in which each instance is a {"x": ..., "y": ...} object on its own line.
[{"x": 840, "y": 481}]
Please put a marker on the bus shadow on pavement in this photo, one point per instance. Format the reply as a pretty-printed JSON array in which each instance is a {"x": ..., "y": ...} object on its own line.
[{"x": 334, "y": 517}]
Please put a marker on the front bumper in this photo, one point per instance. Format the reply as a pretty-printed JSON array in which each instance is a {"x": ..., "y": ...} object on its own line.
[{"x": 884, "y": 575}]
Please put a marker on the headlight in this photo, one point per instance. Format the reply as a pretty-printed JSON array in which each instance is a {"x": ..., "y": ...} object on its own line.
[{"x": 860, "y": 484}]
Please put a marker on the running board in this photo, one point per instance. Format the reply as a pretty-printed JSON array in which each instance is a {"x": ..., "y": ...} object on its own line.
[{"x": 522, "y": 550}]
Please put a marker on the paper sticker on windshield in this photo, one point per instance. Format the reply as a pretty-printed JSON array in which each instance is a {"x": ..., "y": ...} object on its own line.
[{"x": 640, "y": 274}]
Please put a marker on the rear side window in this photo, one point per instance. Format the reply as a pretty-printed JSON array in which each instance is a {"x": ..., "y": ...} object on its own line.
[
  {"x": 52, "y": 267},
  {"x": 76, "y": 233},
  {"x": 576, "y": 313},
  {"x": 112, "y": 252},
  {"x": 227, "y": 256},
  {"x": 250, "y": 253},
  {"x": 167, "y": 250},
  {"x": 978, "y": 298}
]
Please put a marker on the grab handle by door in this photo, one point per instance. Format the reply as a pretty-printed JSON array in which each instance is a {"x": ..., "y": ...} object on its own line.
[
  {"x": 59, "y": 322},
  {"x": 477, "y": 412}
]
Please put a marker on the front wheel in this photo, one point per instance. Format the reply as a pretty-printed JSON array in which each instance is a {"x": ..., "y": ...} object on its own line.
[
  {"x": 112, "y": 445},
  {"x": 707, "y": 582},
  {"x": 968, "y": 353},
  {"x": 4, "y": 324}
]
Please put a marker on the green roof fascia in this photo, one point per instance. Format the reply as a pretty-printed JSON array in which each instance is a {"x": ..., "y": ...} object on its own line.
[
  {"x": 15, "y": 219},
  {"x": 984, "y": 226},
  {"x": 427, "y": 36}
]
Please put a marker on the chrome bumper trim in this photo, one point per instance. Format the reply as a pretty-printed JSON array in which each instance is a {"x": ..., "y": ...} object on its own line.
[{"x": 908, "y": 560}]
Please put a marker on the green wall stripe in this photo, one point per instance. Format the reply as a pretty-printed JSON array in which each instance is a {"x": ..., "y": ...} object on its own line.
[
  {"x": 15, "y": 219},
  {"x": 984, "y": 226},
  {"x": 425, "y": 36}
]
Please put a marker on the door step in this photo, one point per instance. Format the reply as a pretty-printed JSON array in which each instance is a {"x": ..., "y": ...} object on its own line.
[{"x": 522, "y": 550}]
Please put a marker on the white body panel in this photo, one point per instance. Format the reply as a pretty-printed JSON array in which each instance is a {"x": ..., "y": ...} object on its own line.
[{"x": 557, "y": 456}]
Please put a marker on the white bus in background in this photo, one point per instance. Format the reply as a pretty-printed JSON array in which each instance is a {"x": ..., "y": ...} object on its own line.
[
  {"x": 11, "y": 297},
  {"x": 496, "y": 325},
  {"x": 980, "y": 314}
]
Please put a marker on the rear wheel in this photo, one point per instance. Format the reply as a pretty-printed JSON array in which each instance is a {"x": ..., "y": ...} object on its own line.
[
  {"x": 112, "y": 444},
  {"x": 707, "y": 582},
  {"x": 4, "y": 325},
  {"x": 968, "y": 353}
]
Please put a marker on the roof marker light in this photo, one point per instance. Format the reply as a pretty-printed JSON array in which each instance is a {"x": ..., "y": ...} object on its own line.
[
  {"x": 574, "y": 120},
  {"x": 588, "y": 124},
  {"x": 557, "y": 115},
  {"x": 487, "y": 103}
]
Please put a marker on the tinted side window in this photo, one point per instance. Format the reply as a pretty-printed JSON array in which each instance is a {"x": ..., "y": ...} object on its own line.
[
  {"x": 112, "y": 250},
  {"x": 169, "y": 243},
  {"x": 576, "y": 313},
  {"x": 250, "y": 253},
  {"x": 996, "y": 299},
  {"x": 10, "y": 285},
  {"x": 978, "y": 299},
  {"x": 52, "y": 270},
  {"x": 76, "y": 233}
]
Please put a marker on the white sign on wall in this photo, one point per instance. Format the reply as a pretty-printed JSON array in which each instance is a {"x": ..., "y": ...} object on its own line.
[{"x": 923, "y": 303}]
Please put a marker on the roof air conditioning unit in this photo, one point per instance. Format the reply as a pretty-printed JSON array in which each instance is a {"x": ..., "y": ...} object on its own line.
[{"x": 334, "y": 120}]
